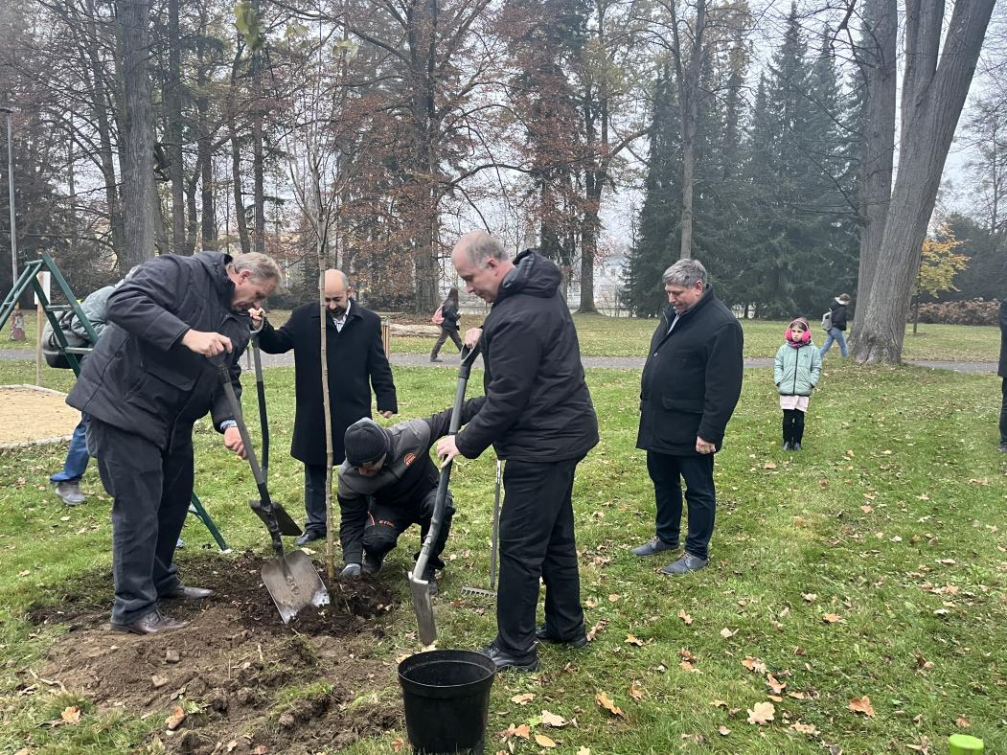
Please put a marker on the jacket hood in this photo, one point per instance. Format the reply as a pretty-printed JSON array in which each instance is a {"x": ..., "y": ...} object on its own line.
[
  {"x": 216, "y": 266},
  {"x": 533, "y": 275}
]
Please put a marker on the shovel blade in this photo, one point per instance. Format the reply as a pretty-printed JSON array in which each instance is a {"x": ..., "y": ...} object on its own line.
[
  {"x": 293, "y": 583},
  {"x": 423, "y": 607}
]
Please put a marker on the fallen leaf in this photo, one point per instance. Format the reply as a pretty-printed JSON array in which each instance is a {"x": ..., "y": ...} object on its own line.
[
  {"x": 727, "y": 633},
  {"x": 809, "y": 597},
  {"x": 867, "y": 508},
  {"x": 775, "y": 684},
  {"x": 606, "y": 702},
  {"x": 583, "y": 751},
  {"x": 398, "y": 744},
  {"x": 551, "y": 719},
  {"x": 761, "y": 714},
  {"x": 769, "y": 465},
  {"x": 808, "y": 729},
  {"x": 962, "y": 723},
  {"x": 685, "y": 617},
  {"x": 523, "y": 699},
  {"x": 718, "y": 703},
  {"x": 71, "y": 714},
  {"x": 523, "y": 731},
  {"x": 602, "y": 623},
  {"x": 614, "y": 597},
  {"x": 632, "y": 639},
  {"x": 158, "y": 681},
  {"x": 24, "y": 573},
  {"x": 175, "y": 719},
  {"x": 543, "y": 741},
  {"x": 862, "y": 705},
  {"x": 686, "y": 666},
  {"x": 635, "y": 692},
  {"x": 754, "y": 664},
  {"x": 724, "y": 731},
  {"x": 832, "y": 618}
]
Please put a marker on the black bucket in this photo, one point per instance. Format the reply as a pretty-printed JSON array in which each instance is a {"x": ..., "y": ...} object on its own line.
[{"x": 447, "y": 699}]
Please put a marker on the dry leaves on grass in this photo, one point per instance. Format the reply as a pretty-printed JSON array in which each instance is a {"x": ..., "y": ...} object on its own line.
[
  {"x": 808, "y": 729},
  {"x": 962, "y": 723},
  {"x": 685, "y": 617},
  {"x": 832, "y": 618},
  {"x": 862, "y": 705},
  {"x": 583, "y": 751},
  {"x": 523, "y": 731},
  {"x": 606, "y": 702},
  {"x": 543, "y": 741},
  {"x": 632, "y": 639},
  {"x": 551, "y": 719},
  {"x": 635, "y": 692},
  {"x": 754, "y": 665},
  {"x": 523, "y": 699},
  {"x": 761, "y": 714},
  {"x": 775, "y": 684},
  {"x": 71, "y": 715},
  {"x": 727, "y": 633},
  {"x": 602, "y": 623},
  {"x": 398, "y": 743},
  {"x": 809, "y": 597}
]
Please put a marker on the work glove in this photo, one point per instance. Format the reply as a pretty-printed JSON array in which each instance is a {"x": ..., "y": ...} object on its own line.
[{"x": 350, "y": 571}]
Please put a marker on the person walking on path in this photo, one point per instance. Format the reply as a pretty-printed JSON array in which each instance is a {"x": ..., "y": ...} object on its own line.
[
  {"x": 150, "y": 378},
  {"x": 837, "y": 325},
  {"x": 539, "y": 417},
  {"x": 1002, "y": 372},
  {"x": 389, "y": 482},
  {"x": 796, "y": 372},
  {"x": 449, "y": 324},
  {"x": 356, "y": 363},
  {"x": 691, "y": 384}
]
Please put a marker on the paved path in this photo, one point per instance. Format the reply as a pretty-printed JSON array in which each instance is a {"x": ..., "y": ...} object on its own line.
[{"x": 618, "y": 363}]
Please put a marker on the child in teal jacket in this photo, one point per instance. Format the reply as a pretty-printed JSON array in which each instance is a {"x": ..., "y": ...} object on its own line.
[{"x": 798, "y": 368}]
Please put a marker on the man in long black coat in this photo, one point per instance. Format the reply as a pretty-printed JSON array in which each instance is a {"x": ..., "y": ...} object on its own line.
[
  {"x": 356, "y": 362},
  {"x": 691, "y": 384},
  {"x": 147, "y": 381},
  {"x": 539, "y": 417}
]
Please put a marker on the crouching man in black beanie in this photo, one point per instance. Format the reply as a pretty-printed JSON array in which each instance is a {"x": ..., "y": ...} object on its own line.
[{"x": 389, "y": 482}]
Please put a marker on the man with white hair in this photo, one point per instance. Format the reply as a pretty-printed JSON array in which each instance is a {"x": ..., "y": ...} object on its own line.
[
  {"x": 690, "y": 386},
  {"x": 151, "y": 376}
]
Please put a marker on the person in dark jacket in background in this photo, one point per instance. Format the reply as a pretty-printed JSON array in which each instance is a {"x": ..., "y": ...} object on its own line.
[
  {"x": 449, "y": 325},
  {"x": 151, "y": 376},
  {"x": 691, "y": 384},
  {"x": 839, "y": 321},
  {"x": 389, "y": 482},
  {"x": 539, "y": 417},
  {"x": 1002, "y": 372},
  {"x": 356, "y": 362}
]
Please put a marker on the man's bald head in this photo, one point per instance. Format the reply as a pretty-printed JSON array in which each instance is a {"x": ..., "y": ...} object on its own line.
[
  {"x": 482, "y": 262},
  {"x": 337, "y": 292}
]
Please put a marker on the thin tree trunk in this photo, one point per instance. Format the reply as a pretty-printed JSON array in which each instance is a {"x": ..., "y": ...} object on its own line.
[
  {"x": 173, "y": 106},
  {"x": 138, "y": 131},
  {"x": 239, "y": 203},
  {"x": 258, "y": 171}
]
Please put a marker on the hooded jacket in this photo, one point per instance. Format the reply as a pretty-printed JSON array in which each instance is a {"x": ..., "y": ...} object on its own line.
[
  {"x": 692, "y": 378},
  {"x": 839, "y": 314},
  {"x": 796, "y": 371},
  {"x": 140, "y": 378},
  {"x": 538, "y": 407}
]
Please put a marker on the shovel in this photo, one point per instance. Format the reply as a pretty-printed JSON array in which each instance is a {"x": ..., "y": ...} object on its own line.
[
  {"x": 291, "y": 579},
  {"x": 423, "y": 605}
]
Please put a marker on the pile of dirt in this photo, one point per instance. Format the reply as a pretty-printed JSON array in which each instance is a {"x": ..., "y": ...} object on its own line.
[{"x": 225, "y": 669}]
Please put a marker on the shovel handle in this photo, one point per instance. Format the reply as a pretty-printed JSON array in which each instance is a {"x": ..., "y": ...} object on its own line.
[{"x": 260, "y": 390}]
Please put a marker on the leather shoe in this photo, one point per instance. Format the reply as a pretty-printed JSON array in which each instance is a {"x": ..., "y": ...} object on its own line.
[
  {"x": 787, "y": 446},
  {"x": 183, "y": 592},
  {"x": 686, "y": 564},
  {"x": 576, "y": 642},
  {"x": 150, "y": 623},
  {"x": 309, "y": 536},
  {"x": 654, "y": 546},
  {"x": 524, "y": 663}
]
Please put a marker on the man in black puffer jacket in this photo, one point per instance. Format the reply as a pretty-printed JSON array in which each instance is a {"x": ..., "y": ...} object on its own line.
[
  {"x": 690, "y": 386},
  {"x": 539, "y": 417},
  {"x": 144, "y": 386}
]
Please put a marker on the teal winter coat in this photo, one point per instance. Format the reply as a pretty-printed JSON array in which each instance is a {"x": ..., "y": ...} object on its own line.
[{"x": 797, "y": 370}]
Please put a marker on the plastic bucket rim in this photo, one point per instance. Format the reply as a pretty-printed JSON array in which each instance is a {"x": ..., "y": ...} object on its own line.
[{"x": 468, "y": 657}]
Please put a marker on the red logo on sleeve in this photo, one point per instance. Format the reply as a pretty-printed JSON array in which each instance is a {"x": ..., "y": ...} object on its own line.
[{"x": 409, "y": 459}]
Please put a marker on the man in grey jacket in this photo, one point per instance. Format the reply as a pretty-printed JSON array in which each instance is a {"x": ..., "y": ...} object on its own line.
[{"x": 153, "y": 374}]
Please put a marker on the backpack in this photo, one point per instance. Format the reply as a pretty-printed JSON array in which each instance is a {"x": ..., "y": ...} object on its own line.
[
  {"x": 438, "y": 317},
  {"x": 827, "y": 321},
  {"x": 51, "y": 350}
]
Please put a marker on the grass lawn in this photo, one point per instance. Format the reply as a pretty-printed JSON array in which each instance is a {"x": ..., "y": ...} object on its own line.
[
  {"x": 870, "y": 565},
  {"x": 602, "y": 336}
]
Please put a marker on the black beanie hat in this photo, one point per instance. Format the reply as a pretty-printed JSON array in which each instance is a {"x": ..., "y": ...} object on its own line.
[{"x": 365, "y": 441}]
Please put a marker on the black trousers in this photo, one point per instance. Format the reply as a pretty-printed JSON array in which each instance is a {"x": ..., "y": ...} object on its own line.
[
  {"x": 314, "y": 496},
  {"x": 537, "y": 541},
  {"x": 386, "y": 523},
  {"x": 1003, "y": 413},
  {"x": 150, "y": 492},
  {"x": 446, "y": 333},
  {"x": 667, "y": 472},
  {"x": 793, "y": 425}
]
